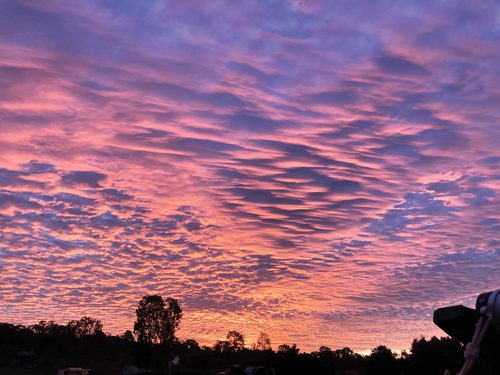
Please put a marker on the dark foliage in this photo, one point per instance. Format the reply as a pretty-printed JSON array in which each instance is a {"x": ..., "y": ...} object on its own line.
[
  {"x": 86, "y": 326},
  {"x": 235, "y": 340},
  {"x": 435, "y": 355},
  {"x": 48, "y": 346},
  {"x": 157, "y": 320},
  {"x": 57, "y": 347},
  {"x": 382, "y": 361}
]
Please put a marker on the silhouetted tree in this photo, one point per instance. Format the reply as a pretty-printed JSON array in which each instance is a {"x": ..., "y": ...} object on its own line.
[
  {"x": 221, "y": 346},
  {"x": 86, "y": 326},
  {"x": 191, "y": 344},
  {"x": 344, "y": 353},
  {"x": 157, "y": 320},
  {"x": 435, "y": 355},
  {"x": 327, "y": 360},
  {"x": 235, "y": 340},
  {"x": 173, "y": 316},
  {"x": 52, "y": 346},
  {"x": 347, "y": 360},
  {"x": 263, "y": 342},
  {"x": 382, "y": 361},
  {"x": 48, "y": 327},
  {"x": 288, "y": 349},
  {"x": 128, "y": 336}
]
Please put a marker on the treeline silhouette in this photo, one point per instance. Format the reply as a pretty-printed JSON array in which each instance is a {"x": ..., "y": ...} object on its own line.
[{"x": 44, "y": 347}]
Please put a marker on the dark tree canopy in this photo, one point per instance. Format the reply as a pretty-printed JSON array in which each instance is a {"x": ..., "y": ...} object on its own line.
[
  {"x": 150, "y": 317},
  {"x": 235, "y": 340},
  {"x": 191, "y": 344},
  {"x": 382, "y": 361},
  {"x": 86, "y": 326},
  {"x": 48, "y": 327},
  {"x": 50, "y": 346},
  {"x": 221, "y": 346},
  {"x": 288, "y": 349},
  {"x": 128, "y": 336},
  {"x": 435, "y": 355},
  {"x": 157, "y": 319},
  {"x": 173, "y": 315},
  {"x": 344, "y": 353}
]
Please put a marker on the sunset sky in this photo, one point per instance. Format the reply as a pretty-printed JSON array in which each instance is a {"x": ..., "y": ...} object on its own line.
[{"x": 327, "y": 172}]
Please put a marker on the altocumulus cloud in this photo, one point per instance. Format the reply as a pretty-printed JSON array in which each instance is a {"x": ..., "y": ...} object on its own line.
[{"x": 293, "y": 170}]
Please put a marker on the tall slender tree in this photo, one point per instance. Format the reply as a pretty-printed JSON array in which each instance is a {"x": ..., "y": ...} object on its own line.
[
  {"x": 172, "y": 319},
  {"x": 157, "y": 320},
  {"x": 263, "y": 342}
]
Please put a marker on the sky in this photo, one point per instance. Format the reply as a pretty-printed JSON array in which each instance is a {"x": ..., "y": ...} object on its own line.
[{"x": 323, "y": 171}]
